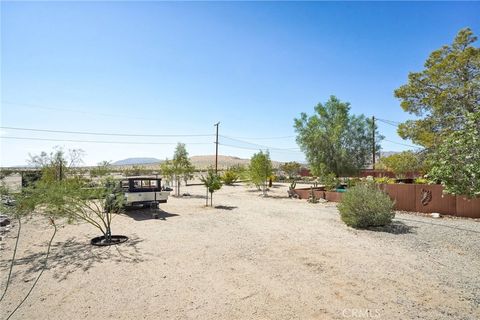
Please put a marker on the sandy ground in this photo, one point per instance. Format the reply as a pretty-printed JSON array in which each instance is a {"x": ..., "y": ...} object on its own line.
[{"x": 252, "y": 258}]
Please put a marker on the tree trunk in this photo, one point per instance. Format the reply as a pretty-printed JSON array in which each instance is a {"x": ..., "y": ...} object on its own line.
[{"x": 211, "y": 199}]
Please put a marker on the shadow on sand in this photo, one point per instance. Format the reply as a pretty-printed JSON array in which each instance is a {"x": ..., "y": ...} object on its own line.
[
  {"x": 148, "y": 214},
  {"x": 225, "y": 207},
  {"x": 72, "y": 255},
  {"x": 396, "y": 227}
]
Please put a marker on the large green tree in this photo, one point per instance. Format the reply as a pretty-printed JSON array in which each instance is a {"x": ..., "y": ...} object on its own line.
[
  {"x": 444, "y": 93},
  {"x": 335, "y": 141},
  {"x": 260, "y": 169},
  {"x": 446, "y": 98}
]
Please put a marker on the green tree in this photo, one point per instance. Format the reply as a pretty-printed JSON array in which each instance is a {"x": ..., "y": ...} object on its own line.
[
  {"x": 260, "y": 170},
  {"x": 291, "y": 169},
  {"x": 179, "y": 168},
  {"x": 456, "y": 162},
  {"x": 212, "y": 182},
  {"x": 444, "y": 93},
  {"x": 335, "y": 141},
  {"x": 401, "y": 163}
]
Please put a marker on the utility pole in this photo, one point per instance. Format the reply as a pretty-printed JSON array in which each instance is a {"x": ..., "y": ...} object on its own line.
[
  {"x": 216, "y": 149},
  {"x": 373, "y": 144}
]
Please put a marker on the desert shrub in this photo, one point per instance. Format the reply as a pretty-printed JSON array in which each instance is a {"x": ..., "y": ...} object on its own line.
[
  {"x": 330, "y": 181},
  {"x": 420, "y": 181},
  {"x": 366, "y": 206},
  {"x": 384, "y": 180},
  {"x": 230, "y": 176}
]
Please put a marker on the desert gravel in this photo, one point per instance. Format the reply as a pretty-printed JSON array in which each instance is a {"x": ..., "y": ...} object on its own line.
[{"x": 250, "y": 258}]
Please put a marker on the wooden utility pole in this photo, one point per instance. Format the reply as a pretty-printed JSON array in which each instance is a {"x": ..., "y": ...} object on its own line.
[
  {"x": 216, "y": 149},
  {"x": 373, "y": 144}
]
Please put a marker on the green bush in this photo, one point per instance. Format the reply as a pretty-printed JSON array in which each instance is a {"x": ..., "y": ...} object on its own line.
[
  {"x": 366, "y": 206},
  {"x": 385, "y": 180},
  {"x": 229, "y": 177}
]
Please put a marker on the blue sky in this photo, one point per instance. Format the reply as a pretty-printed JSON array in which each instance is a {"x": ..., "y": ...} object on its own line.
[{"x": 177, "y": 68}]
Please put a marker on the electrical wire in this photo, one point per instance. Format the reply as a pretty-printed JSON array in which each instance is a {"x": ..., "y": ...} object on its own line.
[
  {"x": 403, "y": 144},
  {"x": 101, "y": 141},
  {"x": 105, "y": 133}
]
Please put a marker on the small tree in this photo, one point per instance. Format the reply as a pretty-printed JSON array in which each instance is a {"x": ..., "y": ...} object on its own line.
[
  {"x": 260, "y": 170},
  {"x": 181, "y": 167},
  {"x": 291, "y": 169},
  {"x": 212, "y": 182},
  {"x": 401, "y": 163},
  {"x": 56, "y": 164}
]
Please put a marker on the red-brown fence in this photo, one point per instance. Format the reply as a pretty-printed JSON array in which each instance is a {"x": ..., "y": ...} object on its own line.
[{"x": 414, "y": 197}]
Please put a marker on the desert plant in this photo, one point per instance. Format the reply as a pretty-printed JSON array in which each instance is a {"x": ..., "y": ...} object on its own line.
[
  {"x": 384, "y": 180},
  {"x": 292, "y": 185},
  {"x": 230, "y": 176},
  {"x": 260, "y": 170},
  {"x": 330, "y": 181},
  {"x": 312, "y": 198},
  {"x": 420, "y": 181},
  {"x": 102, "y": 169},
  {"x": 213, "y": 183},
  {"x": 366, "y": 206}
]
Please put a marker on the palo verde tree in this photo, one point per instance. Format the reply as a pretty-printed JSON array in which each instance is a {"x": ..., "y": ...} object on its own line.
[
  {"x": 260, "y": 170},
  {"x": 212, "y": 182},
  {"x": 58, "y": 163},
  {"x": 446, "y": 98},
  {"x": 444, "y": 94},
  {"x": 335, "y": 141},
  {"x": 179, "y": 168},
  {"x": 69, "y": 197}
]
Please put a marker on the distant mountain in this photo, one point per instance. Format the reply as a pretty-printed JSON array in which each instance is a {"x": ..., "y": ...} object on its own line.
[{"x": 133, "y": 161}]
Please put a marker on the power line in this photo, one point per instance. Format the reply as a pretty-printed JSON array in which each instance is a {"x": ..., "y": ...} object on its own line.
[
  {"x": 263, "y": 138},
  {"x": 100, "y": 141},
  {"x": 107, "y": 134},
  {"x": 403, "y": 144},
  {"x": 389, "y": 122}
]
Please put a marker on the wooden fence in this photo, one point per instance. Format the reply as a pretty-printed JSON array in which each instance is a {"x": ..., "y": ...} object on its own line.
[{"x": 413, "y": 197}]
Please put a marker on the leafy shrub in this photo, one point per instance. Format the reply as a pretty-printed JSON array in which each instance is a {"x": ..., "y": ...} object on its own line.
[
  {"x": 330, "y": 181},
  {"x": 385, "y": 180},
  {"x": 421, "y": 181},
  {"x": 366, "y": 206},
  {"x": 229, "y": 177}
]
